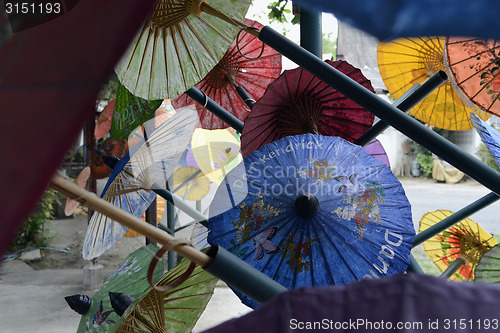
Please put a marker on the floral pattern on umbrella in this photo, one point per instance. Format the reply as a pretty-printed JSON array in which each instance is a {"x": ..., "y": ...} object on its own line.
[
  {"x": 473, "y": 67},
  {"x": 466, "y": 240},
  {"x": 313, "y": 210}
]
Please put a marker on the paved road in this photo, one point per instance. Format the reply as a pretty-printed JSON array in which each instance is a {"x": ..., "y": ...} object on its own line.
[{"x": 428, "y": 196}]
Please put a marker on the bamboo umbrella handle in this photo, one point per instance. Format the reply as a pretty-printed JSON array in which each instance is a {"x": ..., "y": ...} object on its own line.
[{"x": 89, "y": 199}]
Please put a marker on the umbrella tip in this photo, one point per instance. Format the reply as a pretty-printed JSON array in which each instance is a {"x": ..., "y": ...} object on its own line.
[
  {"x": 306, "y": 205},
  {"x": 79, "y": 303},
  {"x": 120, "y": 302}
]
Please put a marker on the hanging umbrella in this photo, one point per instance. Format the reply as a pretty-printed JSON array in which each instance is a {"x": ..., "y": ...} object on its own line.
[
  {"x": 80, "y": 180},
  {"x": 131, "y": 112},
  {"x": 376, "y": 149},
  {"x": 129, "y": 185},
  {"x": 407, "y": 61},
  {"x": 216, "y": 152},
  {"x": 178, "y": 45},
  {"x": 129, "y": 278},
  {"x": 176, "y": 310},
  {"x": 312, "y": 210},
  {"x": 487, "y": 269},
  {"x": 103, "y": 124},
  {"x": 489, "y": 136},
  {"x": 473, "y": 67},
  {"x": 297, "y": 103},
  {"x": 401, "y": 303},
  {"x": 466, "y": 240},
  {"x": 192, "y": 188},
  {"x": 248, "y": 63},
  {"x": 110, "y": 147},
  {"x": 387, "y": 19}
]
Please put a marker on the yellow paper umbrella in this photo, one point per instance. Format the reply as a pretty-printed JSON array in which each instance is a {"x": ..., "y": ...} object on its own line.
[
  {"x": 466, "y": 240},
  {"x": 407, "y": 61},
  {"x": 194, "y": 189},
  {"x": 216, "y": 152}
]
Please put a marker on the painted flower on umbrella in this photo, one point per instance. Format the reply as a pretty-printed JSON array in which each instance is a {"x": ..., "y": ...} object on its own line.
[
  {"x": 363, "y": 207},
  {"x": 460, "y": 241},
  {"x": 251, "y": 219},
  {"x": 321, "y": 170},
  {"x": 296, "y": 253}
]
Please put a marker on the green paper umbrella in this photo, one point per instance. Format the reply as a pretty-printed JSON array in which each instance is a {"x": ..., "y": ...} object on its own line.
[
  {"x": 488, "y": 268},
  {"x": 130, "y": 278},
  {"x": 179, "y": 44},
  {"x": 176, "y": 310},
  {"x": 130, "y": 112}
]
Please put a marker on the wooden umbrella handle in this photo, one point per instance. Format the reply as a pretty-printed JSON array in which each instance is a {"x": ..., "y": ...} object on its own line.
[{"x": 89, "y": 199}]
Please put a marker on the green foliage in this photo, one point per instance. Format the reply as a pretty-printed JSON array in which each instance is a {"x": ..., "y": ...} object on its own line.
[
  {"x": 329, "y": 44},
  {"x": 424, "y": 159},
  {"x": 35, "y": 231},
  {"x": 277, "y": 12},
  {"x": 485, "y": 156}
]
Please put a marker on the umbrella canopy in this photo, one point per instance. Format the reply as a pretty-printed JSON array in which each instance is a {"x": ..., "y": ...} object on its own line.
[
  {"x": 248, "y": 63},
  {"x": 103, "y": 124},
  {"x": 110, "y": 147},
  {"x": 80, "y": 180},
  {"x": 129, "y": 185},
  {"x": 489, "y": 136},
  {"x": 176, "y": 310},
  {"x": 407, "y": 61},
  {"x": 129, "y": 278},
  {"x": 193, "y": 189},
  {"x": 376, "y": 149},
  {"x": 487, "y": 269},
  {"x": 387, "y": 19},
  {"x": 298, "y": 102},
  {"x": 312, "y": 210},
  {"x": 466, "y": 240},
  {"x": 177, "y": 47},
  {"x": 131, "y": 112},
  {"x": 216, "y": 152},
  {"x": 473, "y": 67},
  {"x": 402, "y": 303}
]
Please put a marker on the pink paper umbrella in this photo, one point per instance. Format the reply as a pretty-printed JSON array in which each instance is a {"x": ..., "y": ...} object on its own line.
[
  {"x": 248, "y": 63},
  {"x": 299, "y": 103},
  {"x": 376, "y": 149}
]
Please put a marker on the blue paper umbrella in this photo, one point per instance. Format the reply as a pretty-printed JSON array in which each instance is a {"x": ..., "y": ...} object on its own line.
[
  {"x": 312, "y": 210},
  {"x": 489, "y": 136},
  {"x": 149, "y": 164}
]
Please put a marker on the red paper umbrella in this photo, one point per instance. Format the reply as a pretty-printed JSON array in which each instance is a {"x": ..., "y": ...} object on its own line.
[
  {"x": 298, "y": 103},
  {"x": 248, "y": 63}
]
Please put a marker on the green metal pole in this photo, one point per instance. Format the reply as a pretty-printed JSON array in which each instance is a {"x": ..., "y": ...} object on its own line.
[
  {"x": 385, "y": 111},
  {"x": 410, "y": 98},
  {"x": 215, "y": 108},
  {"x": 414, "y": 267},
  {"x": 311, "y": 34},
  {"x": 456, "y": 217},
  {"x": 454, "y": 266}
]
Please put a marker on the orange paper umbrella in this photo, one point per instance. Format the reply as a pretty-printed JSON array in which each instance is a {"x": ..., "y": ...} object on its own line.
[
  {"x": 248, "y": 63},
  {"x": 474, "y": 68},
  {"x": 465, "y": 240},
  {"x": 407, "y": 61},
  {"x": 110, "y": 147}
]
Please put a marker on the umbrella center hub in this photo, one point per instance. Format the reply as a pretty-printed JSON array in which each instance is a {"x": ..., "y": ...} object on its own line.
[{"x": 306, "y": 205}]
